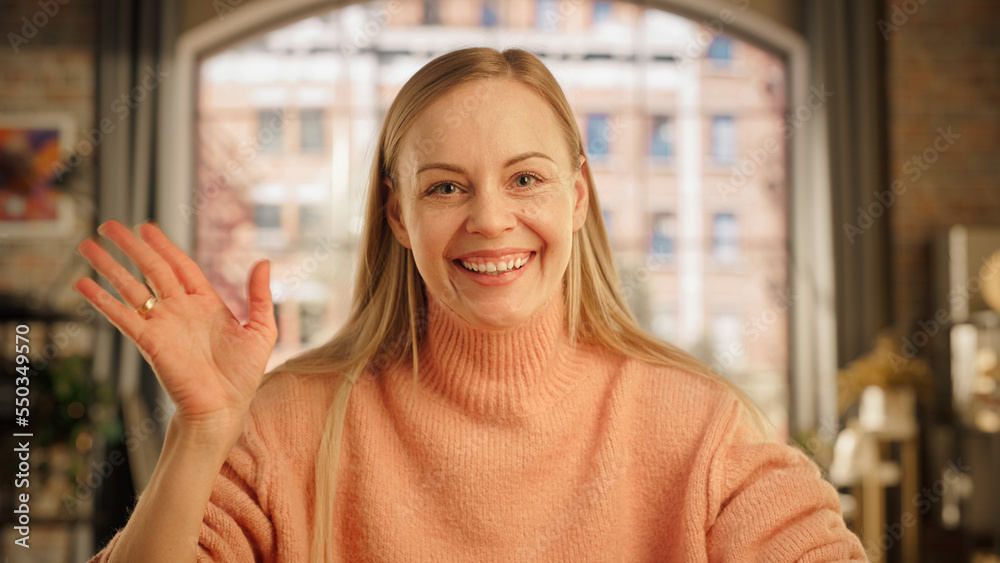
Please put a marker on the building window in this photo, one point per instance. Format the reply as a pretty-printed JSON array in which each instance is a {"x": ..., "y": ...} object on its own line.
[
  {"x": 664, "y": 235},
  {"x": 727, "y": 342},
  {"x": 602, "y": 12},
  {"x": 269, "y": 126},
  {"x": 432, "y": 12},
  {"x": 313, "y": 190},
  {"x": 547, "y": 14},
  {"x": 310, "y": 320},
  {"x": 311, "y": 130},
  {"x": 720, "y": 52},
  {"x": 597, "y": 134},
  {"x": 723, "y": 138},
  {"x": 725, "y": 238},
  {"x": 267, "y": 216},
  {"x": 661, "y": 146},
  {"x": 312, "y": 221},
  {"x": 491, "y": 16}
]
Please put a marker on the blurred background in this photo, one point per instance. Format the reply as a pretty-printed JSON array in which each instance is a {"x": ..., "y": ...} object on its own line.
[{"x": 802, "y": 193}]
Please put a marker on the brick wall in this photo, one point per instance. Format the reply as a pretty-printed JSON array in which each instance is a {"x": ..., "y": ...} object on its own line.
[
  {"x": 47, "y": 65},
  {"x": 943, "y": 75}
]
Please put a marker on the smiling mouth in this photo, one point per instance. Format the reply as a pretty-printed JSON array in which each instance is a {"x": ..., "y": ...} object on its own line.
[{"x": 494, "y": 267}]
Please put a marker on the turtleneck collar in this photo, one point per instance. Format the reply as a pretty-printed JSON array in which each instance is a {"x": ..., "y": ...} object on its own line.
[{"x": 498, "y": 374}]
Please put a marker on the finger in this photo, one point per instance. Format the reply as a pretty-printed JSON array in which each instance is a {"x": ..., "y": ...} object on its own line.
[
  {"x": 186, "y": 270},
  {"x": 127, "y": 320},
  {"x": 158, "y": 273},
  {"x": 261, "y": 309},
  {"x": 133, "y": 291}
]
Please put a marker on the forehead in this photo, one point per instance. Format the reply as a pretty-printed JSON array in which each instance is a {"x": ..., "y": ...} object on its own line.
[{"x": 482, "y": 124}]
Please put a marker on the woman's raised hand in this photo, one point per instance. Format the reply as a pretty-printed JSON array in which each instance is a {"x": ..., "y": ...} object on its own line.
[{"x": 209, "y": 363}]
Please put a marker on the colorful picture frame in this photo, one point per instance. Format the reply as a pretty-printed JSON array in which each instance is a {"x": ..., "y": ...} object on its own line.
[{"x": 32, "y": 150}]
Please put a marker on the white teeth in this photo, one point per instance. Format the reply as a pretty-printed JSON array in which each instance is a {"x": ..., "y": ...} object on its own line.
[{"x": 494, "y": 268}]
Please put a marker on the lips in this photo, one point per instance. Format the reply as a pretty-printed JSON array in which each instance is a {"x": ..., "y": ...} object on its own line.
[
  {"x": 484, "y": 266},
  {"x": 494, "y": 263}
]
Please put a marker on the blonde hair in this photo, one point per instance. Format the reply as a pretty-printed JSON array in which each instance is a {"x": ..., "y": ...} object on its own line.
[{"x": 387, "y": 313}]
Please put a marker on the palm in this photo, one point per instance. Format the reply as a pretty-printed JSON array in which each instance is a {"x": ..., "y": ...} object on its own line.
[
  {"x": 208, "y": 362},
  {"x": 203, "y": 356}
]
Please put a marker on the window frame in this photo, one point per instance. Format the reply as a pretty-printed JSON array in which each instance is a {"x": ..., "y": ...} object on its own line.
[{"x": 812, "y": 331}]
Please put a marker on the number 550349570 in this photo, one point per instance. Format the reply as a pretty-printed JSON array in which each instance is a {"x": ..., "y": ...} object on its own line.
[{"x": 22, "y": 381}]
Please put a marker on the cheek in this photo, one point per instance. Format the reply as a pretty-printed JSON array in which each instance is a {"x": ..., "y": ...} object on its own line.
[
  {"x": 430, "y": 235},
  {"x": 555, "y": 235},
  {"x": 553, "y": 221},
  {"x": 549, "y": 209}
]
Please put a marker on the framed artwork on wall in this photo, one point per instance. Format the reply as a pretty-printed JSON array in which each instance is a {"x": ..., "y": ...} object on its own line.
[{"x": 32, "y": 150}]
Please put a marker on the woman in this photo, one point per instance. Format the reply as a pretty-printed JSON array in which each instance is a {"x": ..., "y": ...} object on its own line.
[{"x": 490, "y": 397}]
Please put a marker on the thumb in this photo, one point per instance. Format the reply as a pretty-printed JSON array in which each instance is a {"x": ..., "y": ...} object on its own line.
[{"x": 261, "y": 309}]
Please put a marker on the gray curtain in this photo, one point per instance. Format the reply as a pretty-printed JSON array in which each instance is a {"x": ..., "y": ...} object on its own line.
[
  {"x": 848, "y": 56},
  {"x": 130, "y": 77}
]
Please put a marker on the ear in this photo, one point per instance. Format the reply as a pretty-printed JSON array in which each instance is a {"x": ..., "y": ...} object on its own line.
[
  {"x": 582, "y": 194},
  {"x": 393, "y": 214}
]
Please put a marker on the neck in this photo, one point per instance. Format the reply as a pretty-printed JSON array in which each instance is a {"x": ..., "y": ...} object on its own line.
[{"x": 497, "y": 373}]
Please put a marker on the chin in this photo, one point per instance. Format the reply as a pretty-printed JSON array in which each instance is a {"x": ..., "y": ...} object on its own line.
[{"x": 499, "y": 316}]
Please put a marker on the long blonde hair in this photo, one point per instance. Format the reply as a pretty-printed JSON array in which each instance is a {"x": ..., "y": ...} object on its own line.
[{"x": 387, "y": 317}]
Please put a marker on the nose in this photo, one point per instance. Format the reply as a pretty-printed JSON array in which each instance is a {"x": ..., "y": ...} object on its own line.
[{"x": 491, "y": 212}]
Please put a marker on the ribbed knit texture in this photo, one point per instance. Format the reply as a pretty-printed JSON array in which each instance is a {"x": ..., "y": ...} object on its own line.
[{"x": 515, "y": 446}]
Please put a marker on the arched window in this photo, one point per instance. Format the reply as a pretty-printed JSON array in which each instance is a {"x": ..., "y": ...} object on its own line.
[{"x": 683, "y": 122}]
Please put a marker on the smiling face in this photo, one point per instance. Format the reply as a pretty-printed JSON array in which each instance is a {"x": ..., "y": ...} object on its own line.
[{"x": 489, "y": 188}]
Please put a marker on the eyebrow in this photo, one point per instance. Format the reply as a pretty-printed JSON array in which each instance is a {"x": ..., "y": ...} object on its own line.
[{"x": 511, "y": 162}]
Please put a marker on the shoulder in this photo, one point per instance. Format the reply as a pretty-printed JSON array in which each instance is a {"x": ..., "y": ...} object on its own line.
[
  {"x": 284, "y": 392},
  {"x": 681, "y": 389},
  {"x": 680, "y": 405},
  {"x": 289, "y": 410}
]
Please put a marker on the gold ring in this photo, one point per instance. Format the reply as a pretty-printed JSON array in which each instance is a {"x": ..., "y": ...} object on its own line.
[{"x": 145, "y": 307}]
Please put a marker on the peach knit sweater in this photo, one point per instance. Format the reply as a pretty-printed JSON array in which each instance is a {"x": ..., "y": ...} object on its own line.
[{"x": 513, "y": 446}]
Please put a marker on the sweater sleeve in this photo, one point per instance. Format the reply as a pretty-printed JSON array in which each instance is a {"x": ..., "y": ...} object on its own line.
[
  {"x": 236, "y": 527},
  {"x": 768, "y": 502}
]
